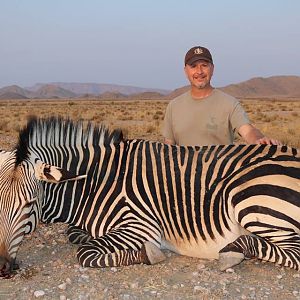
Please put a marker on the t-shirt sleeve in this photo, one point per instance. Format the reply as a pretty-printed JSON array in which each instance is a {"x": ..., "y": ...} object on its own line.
[
  {"x": 238, "y": 117},
  {"x": 167, "y": 130}
]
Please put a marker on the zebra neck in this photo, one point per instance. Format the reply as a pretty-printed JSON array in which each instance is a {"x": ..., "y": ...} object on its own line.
[{"x": 70, "y": 202}]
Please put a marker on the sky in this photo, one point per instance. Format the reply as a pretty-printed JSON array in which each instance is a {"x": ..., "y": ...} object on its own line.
[{"x": 142, "y": 43}]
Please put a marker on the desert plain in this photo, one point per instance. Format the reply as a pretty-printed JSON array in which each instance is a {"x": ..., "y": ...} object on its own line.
[{"x": 48, "y": 265}]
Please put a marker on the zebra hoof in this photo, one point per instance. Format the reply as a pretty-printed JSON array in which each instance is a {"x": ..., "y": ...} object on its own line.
[
  {"x": 230, "y": 259},
  {"x": 153, "y": 254}
]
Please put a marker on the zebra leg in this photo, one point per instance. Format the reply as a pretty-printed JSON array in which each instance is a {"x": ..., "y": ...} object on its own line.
[
  {"x": 101, "y": 252},
  {"x": 282, "y": 249},
  {"x": 77, "y": 235},
  {"x": 152, "y": 253},
  {"x": 231, "y": 255}
]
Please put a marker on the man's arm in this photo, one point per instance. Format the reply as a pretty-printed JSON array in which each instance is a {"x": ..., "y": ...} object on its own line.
[{"x": 252, "y": 135}]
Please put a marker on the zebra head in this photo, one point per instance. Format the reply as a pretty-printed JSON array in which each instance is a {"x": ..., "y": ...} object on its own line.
[{"x": 21, "y": 191}]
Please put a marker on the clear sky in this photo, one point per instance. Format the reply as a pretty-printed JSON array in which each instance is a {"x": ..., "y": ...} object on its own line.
[{"x": 143, "y": 42}]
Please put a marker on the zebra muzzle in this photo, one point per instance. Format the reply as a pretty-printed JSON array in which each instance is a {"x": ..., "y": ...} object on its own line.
[{"x": 5, "y": 267}]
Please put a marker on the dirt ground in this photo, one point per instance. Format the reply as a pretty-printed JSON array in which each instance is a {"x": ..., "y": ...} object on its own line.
[{"x": 49, "y": 270}]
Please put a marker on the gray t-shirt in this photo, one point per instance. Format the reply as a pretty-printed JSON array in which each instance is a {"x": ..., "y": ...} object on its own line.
[{"x": 209, "y": 121}]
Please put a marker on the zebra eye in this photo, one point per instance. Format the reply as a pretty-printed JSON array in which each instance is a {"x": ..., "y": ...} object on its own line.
[{"x": 27, "y": 205}]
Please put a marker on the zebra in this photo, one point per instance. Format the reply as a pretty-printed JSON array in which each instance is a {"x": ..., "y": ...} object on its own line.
[{"x": 126, "y": 200}]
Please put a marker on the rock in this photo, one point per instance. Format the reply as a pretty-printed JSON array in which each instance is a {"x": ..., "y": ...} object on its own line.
[
  {"x": 114, "y": 269},
  {"x": 198, "y": 288},
  {"x": 68, "y": 281},
  {"x": 39, "y": 293},
  {"x": 200, "y": 266},
  {"x": 134, "y": 285},
  {"x": 229, "y": 270},
  {"x": 62, "y": 286}
]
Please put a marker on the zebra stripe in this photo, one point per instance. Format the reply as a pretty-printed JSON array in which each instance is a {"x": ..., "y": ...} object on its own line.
[{"x": 227, "y": 201}]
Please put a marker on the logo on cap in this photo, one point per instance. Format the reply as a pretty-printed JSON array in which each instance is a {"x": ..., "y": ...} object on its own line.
[{"x": 198, "y": 51}]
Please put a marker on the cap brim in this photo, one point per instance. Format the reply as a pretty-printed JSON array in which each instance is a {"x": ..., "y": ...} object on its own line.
[{"x": 194, "y": 59}]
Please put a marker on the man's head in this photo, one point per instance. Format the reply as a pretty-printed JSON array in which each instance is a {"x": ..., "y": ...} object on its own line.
[
  {"x": 197, "y": 53},
  {"x": 199, "y": 67}
]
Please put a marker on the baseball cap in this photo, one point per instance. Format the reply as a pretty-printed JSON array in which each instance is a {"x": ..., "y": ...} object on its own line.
[{"x": 197, "y": 53}]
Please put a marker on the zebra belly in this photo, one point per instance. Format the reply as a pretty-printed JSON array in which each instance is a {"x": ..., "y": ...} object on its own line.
[{"x": 208, "y": 248}]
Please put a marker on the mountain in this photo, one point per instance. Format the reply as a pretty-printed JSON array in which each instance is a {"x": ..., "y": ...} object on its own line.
[
  {"x": 53, "y": 91},
  {"x": 276, "y": 86},
  {"x": 11, "y": 95},
  {"x": 72, "y": 90},
  {"x": 178, "y": 92},
  {"x": 259, "y": 87},
  {"x": 98, "y": 88},
  {"x": 14, "y": 91}
]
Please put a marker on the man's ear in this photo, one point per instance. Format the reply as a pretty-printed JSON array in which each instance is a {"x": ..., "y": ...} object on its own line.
[{"x": 54, "y": 174}]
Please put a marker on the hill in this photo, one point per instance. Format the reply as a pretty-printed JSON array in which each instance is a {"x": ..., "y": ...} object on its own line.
[
  {"x": 259, "y": 87},
  {"x": 98, "y": 88},
  {"x": 12, "y": 91},
  {"x": 178, "y": 92},
  {"x": 11, "y": 95},
  {"x": 53, "y": 91},
  {"x": 45, "y": 91},
  {"x": 276, "y": 86}
]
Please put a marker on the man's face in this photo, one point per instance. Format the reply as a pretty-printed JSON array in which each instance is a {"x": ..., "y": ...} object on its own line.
[{"x": 199, "y": 73}]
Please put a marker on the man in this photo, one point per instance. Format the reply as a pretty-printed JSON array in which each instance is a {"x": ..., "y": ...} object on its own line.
[{"x": 205, "y": 115}]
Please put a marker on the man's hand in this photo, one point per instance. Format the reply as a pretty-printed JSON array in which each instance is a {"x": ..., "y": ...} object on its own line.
[
  {"x": 267, "y": 141},
  {"x": 253, "y": 136},
  {"x": 168, "y": 141}
]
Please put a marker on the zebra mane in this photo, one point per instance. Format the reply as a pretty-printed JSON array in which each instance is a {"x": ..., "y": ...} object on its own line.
[{"x": 57, "y": 131}]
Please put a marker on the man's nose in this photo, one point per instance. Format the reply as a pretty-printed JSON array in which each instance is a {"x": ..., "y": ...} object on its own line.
[{"x": 199, "y": 69}]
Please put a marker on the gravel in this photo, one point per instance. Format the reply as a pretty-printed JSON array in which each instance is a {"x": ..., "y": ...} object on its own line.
[{"x": 49, "y": 270}]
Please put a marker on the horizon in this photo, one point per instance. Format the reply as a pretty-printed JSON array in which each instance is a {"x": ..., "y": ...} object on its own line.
[
  {"x": 143, "y": 44},
  {"x": 274, "y": 86},
  {"x": 141, "y": 87}
]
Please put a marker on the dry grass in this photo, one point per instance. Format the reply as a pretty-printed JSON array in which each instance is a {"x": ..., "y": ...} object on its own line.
[
  {"x": 143, "y": 119},
  {"x": 276, "y": 118}
]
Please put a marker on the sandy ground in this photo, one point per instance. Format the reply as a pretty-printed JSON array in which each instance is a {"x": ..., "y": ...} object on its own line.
[{"x": 49, "y": 270}]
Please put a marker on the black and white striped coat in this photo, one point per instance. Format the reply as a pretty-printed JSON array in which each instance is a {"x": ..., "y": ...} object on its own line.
[{"x": 126, "y": 199}]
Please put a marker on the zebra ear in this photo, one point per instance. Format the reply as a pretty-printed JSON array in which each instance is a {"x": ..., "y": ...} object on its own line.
[{"x": 54, "y": 174}]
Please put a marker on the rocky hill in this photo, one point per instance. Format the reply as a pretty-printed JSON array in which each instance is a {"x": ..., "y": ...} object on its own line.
[
  {"x": 9, "y": 92},
  {"x": 259, "y": 87},
  {"x": 98, "y": 88},
  {"x": 52, "y": 91},
  {"x": 12, "y": 95},
  {"x": 276, "y": 86}
]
